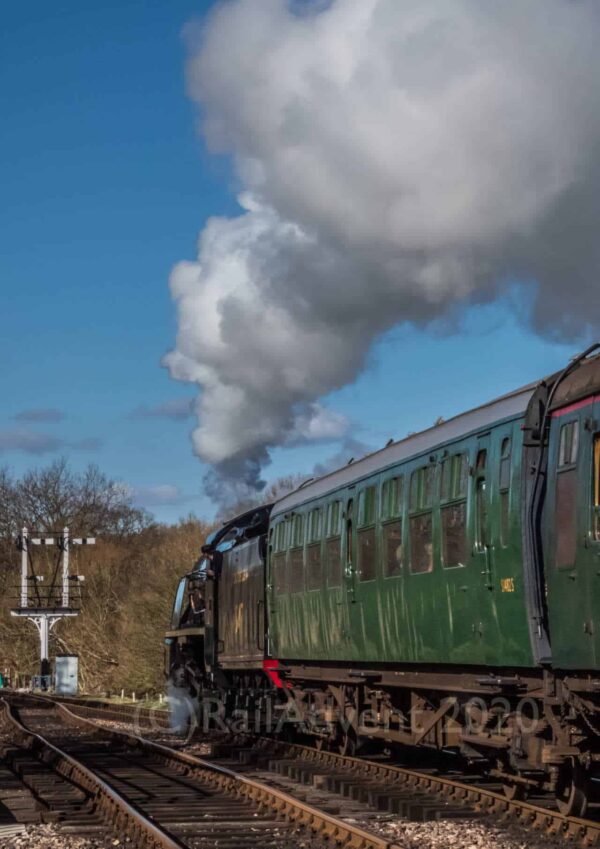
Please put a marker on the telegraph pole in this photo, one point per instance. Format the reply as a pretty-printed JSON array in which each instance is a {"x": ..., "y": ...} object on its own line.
[{"x": 46, "y": 613}]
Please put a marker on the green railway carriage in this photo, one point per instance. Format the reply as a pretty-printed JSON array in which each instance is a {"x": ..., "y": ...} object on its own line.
[
  {"x": 413, "y": 554},
  {"x": 449, "y": 573},
  {"x": 444, "y": 591}
]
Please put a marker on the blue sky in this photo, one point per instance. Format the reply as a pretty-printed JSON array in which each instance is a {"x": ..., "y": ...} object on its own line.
[{"x": 105, "y": 186}]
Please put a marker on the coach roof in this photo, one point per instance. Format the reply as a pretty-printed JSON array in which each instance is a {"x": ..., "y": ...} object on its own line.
[{"x": 508, "y": 406}]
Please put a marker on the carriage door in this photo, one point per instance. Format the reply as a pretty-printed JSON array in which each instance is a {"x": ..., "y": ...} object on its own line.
[
  {"x": 509, "y": 631},
  {"x": 482, "y": 549},
  {"x": 483, "y": 624},
  {"x": 364, "y": 610},
  {"x": 592, "y": 435},
  {"x": 570, "y": 548},
  {"x": 349, "y": 551}
]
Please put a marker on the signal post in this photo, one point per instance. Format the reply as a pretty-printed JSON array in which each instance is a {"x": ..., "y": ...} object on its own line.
[{"x": 48, "y": 606}]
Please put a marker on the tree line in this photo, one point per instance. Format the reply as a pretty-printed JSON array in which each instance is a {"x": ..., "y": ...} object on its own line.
[{"x": 130, "y": 575}]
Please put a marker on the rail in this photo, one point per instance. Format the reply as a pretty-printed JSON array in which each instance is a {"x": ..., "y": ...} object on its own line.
[{"x": 319, "y": 824}]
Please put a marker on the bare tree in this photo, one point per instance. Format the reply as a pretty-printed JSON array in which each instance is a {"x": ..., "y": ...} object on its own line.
[
  {"x": 47, "y": 499},
  {"x": 131, "y": 575}
]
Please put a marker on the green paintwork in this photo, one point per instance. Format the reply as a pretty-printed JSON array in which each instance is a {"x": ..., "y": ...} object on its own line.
[
  {"x": 241, "y": 606},
  {"x": 574, "y": 589},
  {"x": 456, "y": 615}
]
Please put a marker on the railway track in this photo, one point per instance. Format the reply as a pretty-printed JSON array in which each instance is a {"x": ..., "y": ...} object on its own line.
[
  {"x": 104, "y": 709},
  {"x": 360, "y": 789},
  {"x": 156, "y": 796},
  {"x": 386, "y": 787}
]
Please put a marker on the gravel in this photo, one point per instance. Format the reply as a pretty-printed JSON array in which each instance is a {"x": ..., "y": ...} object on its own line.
[
  {"x": 50, "y": 837},
  {"x": 483, "y": 833},
  {"x": 463, "y": 834}
]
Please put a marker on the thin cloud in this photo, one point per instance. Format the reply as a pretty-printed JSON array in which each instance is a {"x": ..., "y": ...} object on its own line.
[
  {"x": 177, "y": 409},
  {"x": 33, "y": 442},
  {"x": 40, "y": 414},
  {"x": 29, "y": 442},
  {"x": 159, "y": 495}
]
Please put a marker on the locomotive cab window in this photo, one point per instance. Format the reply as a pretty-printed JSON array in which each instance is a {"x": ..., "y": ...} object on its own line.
[
  {"x": 392, "y": 493},
  {"x": 455, "y": 476},
  {"x": 178, "y": 603},
  {"x": 420, "y": 520},
  {"x": 566, "y": 495}
]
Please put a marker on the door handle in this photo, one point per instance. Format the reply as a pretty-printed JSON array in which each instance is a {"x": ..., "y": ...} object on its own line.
[{"x": 488, "y": 567}]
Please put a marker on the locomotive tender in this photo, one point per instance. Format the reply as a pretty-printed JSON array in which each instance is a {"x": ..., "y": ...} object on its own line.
[{"x": 443, "y": 591}]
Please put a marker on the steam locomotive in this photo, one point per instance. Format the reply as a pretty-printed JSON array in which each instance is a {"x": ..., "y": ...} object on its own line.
[{"x": 443, "y": 591}]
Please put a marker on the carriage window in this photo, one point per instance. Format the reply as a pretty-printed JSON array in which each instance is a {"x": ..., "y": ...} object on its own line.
[
  {"x": 296, "y": 571},
  {"x": 333, "y": 519},
  {"x": 596, "y": 516},
  {"x": 455, "y": 477},
  {"x": 367, "y": 506},
  {"x": 566, "y": 517},
  {"x": 481, "y": 502},
  {"x": 566, "y": 496},
  {"x": 279, "y": 574},
  {"x": 297, "y": 531},
  {"x": 296, "y": 555},
  {"x": 454, "y": 540},
  {"x": 420, "y": 527},
  {"x": 313, "y": 573},
  {"x": 279, "y": 537},
  {"x": 421, "y": 488},
  {"x": 569, "y": 443},
  {"x": 392, "y": 546},
  {"x": 333, "y": 556},
  {"x": 421, "y": 543},
  {"x": 286, "y": 533},
  {"x": 391, "y": 497},
  {"x": 482, "y": 513},
  {"x": 505, "y": 454},
  {"x": 366, "y": 554},
  {"x": 314, "y": 524},
  {"x": 349, "y": 552}
]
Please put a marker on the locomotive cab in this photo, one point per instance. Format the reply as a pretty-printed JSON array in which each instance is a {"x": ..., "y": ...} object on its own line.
[
  {"x": 185, "y": 639},
  {"x": 216, "y": 639}
]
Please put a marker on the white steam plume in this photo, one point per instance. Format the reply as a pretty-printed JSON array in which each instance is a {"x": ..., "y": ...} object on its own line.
[{"x": 396, "y": 158}]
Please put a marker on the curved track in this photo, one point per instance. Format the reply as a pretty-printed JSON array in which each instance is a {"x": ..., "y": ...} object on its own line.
[
  {"x": 386, "y": 786},
  {"x": 158, "y": 797}
]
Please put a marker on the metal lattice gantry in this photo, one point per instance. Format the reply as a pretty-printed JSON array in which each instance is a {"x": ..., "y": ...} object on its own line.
[{"x": 56, "y": 603}]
